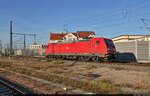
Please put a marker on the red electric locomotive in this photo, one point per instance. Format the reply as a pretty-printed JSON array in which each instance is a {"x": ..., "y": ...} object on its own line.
[{"x": 95, "y": 49}]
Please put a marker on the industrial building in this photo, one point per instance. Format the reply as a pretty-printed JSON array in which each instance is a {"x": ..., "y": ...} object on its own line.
[{"x": 133, "y": 47}]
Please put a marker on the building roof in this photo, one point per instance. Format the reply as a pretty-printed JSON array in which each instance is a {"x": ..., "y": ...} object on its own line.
[
  {"x": 75, "y": 34},
  {"x": 85, "y": 34},
  {"x": 129, "y": 37},
  {"x": 59, "y": 36}
]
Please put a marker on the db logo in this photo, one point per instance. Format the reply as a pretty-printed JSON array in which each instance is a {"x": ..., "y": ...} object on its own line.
[{"x": 67, "y": 48}]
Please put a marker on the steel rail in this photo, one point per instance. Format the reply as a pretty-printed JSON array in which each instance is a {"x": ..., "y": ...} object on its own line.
[{"x": 12, "y": 88}]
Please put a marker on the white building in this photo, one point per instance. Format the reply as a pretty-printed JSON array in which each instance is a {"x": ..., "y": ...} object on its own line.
[
  {"x": 130, "y": 38},
  {"x": 79, "y": 35},
  {"x": 38, "y": 49}
]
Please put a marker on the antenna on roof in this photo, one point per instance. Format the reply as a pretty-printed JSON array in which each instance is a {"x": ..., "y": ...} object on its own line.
[{"x": 66, "y": 28}]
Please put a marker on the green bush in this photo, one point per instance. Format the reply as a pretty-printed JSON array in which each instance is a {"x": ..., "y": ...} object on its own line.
[{"x": 58, "y": 62}]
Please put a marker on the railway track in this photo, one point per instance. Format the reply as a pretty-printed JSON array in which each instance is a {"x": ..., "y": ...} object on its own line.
[
  {"x": 115, "y": 63},
  {"x": 8, "y": 88},
  {"x": 145, "y": 67},
  {"x": 106, "y": 63}
]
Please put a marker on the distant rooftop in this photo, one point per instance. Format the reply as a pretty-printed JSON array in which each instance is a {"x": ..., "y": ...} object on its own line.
[
  {"x": 129, "y": 35},
  {"x": 59, "y": 36}
]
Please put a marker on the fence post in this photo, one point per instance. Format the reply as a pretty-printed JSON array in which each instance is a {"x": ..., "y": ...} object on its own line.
[
  {"x": 148, "y": 50},
  {"x": 136, "y": 49}
]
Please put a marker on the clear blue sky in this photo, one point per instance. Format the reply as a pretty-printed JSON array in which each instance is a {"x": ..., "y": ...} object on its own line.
[{"x": 108, "y": 18}]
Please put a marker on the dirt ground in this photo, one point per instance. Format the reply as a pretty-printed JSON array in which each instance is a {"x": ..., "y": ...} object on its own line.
[{"x": 119, "y": 77}]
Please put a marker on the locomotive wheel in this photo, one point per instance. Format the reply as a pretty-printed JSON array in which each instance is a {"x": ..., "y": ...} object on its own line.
[
  {"x": 95, "y": 59},
  {"x": 101, "y": 60},
  {"x": 63, "y": 57},
  {"x": 78, "y": 58},
  {"x": 81, "y": 58},
  {"x": 56, "y": 57},
  {"x": 87, "y": 58}
]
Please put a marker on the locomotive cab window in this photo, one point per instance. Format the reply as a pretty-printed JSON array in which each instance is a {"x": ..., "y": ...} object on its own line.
[{"x": 97, "y": 42}]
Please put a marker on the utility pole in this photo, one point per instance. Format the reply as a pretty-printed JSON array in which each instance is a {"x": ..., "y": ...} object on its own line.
[
  {"x": 24, "y": 42},
  {"x": 34, "y": 38},
  {"x": 1, "y": 47},
  {"x": 11, "y": 39}
]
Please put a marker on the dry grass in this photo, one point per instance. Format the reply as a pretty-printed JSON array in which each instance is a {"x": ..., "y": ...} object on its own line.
[
  {"x": 143, "y": 85},
  {"x": 49, "y": 60},
  {"x": 117, "y": 76},
  {"x": 91, "y": 67},
  {"x": 106, "y": 84},
  {"x": 90, "y": 87},
  {"x": 126, "y": 85},
  {"x": 54, "y": 70},
  {"x": 57, "y": 62},
  {"x": 34, "y": 86}
]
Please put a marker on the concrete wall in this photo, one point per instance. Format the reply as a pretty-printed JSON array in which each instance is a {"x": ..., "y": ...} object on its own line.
[
  {"x": 142, "y": 50},
  {"x": 126, "y": 51},
  {"x": 125, "y": 46},
  {"x": 133, "y": 51}
]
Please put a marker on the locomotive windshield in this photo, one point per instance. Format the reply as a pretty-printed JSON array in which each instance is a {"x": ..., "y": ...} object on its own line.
[
  {"x": 109, "y": 42},
  {"x": 97, "y": 42}
]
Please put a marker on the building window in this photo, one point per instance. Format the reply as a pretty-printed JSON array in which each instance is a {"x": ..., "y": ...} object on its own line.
[
  {"x": 69, "y": 39},
  {"x": 69, "y": 35},
  {"x": 64, "y": 38}
]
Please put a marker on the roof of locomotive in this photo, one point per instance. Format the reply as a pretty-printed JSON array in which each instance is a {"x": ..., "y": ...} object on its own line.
[{"x": 79, "y": 40}]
